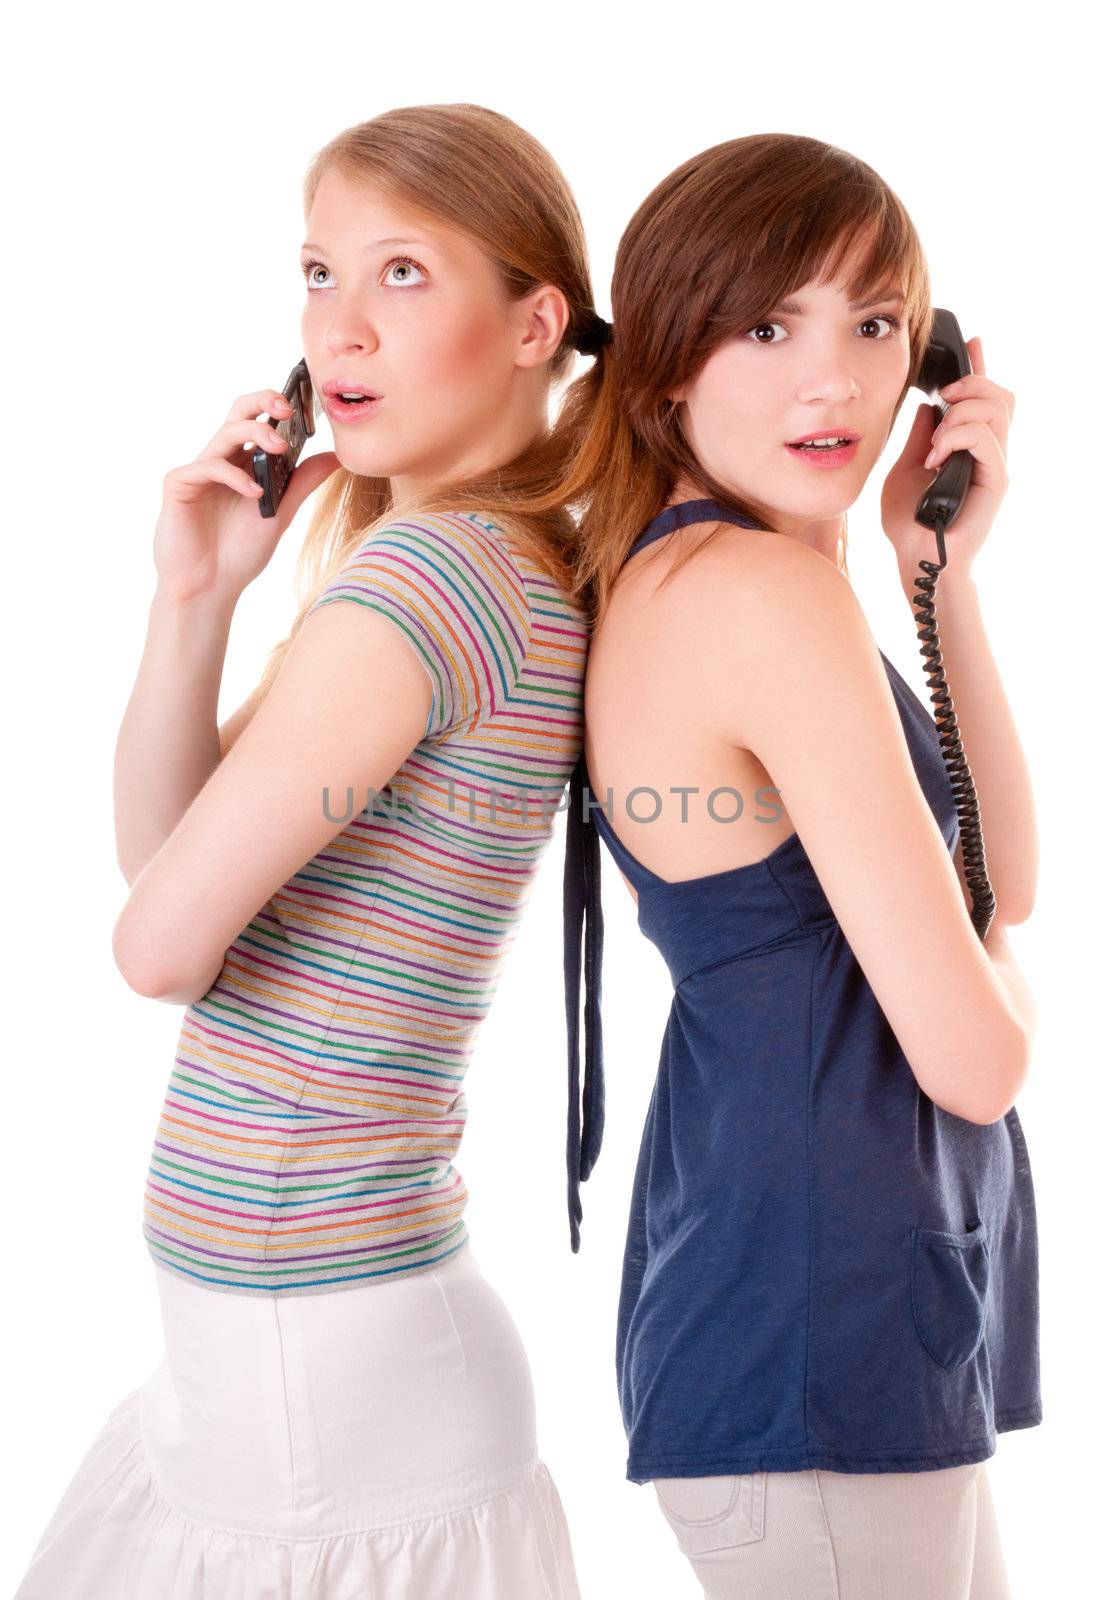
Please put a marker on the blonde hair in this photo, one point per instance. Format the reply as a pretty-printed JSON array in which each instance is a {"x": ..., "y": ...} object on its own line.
[{"x": 476, "y": 170}]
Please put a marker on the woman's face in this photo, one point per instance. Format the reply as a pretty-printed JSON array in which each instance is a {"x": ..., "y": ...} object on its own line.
[
  {"x": 409, "y": 310},
  {"x": 820, "y": 365}
]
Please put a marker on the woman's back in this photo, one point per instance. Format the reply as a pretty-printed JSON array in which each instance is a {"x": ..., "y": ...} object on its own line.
[
  {"x": 758, "y": 672},
  {"x": 816, "y": 1252},
  {"x": 647, "y": 726},
  {"x": 316, "y": 1102}
]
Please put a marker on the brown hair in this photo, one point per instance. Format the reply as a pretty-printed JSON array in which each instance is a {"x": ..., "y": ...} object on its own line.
[
  {"x": 477, "y": 170},
  {"x": 714, "y": 248}
]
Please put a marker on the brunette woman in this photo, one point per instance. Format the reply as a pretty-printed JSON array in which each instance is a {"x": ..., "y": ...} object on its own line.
[{"x": 829, "y": 1299}]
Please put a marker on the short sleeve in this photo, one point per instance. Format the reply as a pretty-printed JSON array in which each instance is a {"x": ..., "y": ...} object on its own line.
[{"x": 451, "y": 585}]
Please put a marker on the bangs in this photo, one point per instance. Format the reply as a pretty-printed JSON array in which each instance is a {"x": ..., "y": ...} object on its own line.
[
  {"x": 854, "y": 238},
  {"x": 869, "y": 261}
]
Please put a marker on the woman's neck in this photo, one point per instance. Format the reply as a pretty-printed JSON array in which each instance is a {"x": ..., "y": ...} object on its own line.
[{"x": 825, "y": 534}]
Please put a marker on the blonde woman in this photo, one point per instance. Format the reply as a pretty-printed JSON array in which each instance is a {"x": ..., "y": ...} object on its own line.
[
  {"x": 329, "y": 884},
  {"x": 829, "y": 1295}
]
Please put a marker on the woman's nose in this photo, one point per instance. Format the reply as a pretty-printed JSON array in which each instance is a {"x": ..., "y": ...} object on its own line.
[
  {"x": 350, "y": 328},
  {"x": 834, "y": 383},
  {"x": 342, "y": 339}
]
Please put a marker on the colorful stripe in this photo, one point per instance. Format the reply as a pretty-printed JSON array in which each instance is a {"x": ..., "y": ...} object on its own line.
[{"x": 307, "y": 1136}]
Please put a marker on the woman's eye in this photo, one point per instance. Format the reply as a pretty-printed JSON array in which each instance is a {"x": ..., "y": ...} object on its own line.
[
  {"x": 402, "y": 270},
  {"x": 398, "y": 273},
  {"x": 893, "y": 322},
  {"x": 770, "y": 325}
]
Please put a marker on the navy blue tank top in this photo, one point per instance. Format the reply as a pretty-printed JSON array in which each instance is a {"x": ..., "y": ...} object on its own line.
[{"x": 823, "y": 1268}]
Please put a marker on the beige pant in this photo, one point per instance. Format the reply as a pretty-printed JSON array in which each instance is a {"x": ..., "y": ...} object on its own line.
[{"x": 839, "y": 1535}]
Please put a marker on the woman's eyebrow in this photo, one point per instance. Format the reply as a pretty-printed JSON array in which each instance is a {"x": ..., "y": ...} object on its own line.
[
  {"x": 376, "y": 245},
  {"x": 794, "y": 308}
]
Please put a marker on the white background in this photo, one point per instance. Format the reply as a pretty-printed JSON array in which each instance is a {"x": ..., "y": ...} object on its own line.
[{"x": 154, "y": 161}]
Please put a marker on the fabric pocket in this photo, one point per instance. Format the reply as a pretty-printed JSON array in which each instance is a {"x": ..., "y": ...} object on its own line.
[
  {"x": 714, "y": 1513},
  {"x": 950, "y": 1276}
]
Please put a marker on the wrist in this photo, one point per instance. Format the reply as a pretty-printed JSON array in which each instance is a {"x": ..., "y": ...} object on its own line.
[
  {"x": 197, "y": 626},
  {"x": 199, "y": 610},
  {"x": 953, "y": 583}
]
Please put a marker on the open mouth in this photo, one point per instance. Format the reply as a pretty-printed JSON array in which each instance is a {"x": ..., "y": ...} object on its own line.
[
  {"x": 836, "y": 443},
  {"x": 350, "y": 405}
]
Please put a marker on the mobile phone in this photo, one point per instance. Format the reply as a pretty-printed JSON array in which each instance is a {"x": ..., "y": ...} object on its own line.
[{"x": 272, "y": 470}]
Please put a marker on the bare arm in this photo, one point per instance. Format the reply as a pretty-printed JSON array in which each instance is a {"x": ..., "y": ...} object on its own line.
[
  {"x": 349, "y": 704},
  {"x": 992, "y": 746},
  {"x": 169, "y": 743},
  {"x": 231, "y": 729},
  {"x": 209, "y": 544},
  {"x": 813, "y": 702},
  {"x": 997, "y": 946}
]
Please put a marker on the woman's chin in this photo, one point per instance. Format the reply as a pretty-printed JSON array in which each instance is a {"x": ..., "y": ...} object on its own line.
[{"x": 367, "y": 463}]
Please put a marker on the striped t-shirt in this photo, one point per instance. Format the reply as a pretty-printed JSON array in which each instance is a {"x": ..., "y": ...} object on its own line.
[{"x": 307, "y": 1136}]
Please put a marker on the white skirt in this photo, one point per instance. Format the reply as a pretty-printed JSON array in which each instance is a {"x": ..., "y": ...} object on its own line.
[{"x": 362, "y": 1444}]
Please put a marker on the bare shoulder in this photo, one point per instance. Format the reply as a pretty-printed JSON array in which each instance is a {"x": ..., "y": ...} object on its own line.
[
  {"x": 755, "y": 569},
  {"x": 770, "y": 622},
  {"x": 748, "y": 574}
]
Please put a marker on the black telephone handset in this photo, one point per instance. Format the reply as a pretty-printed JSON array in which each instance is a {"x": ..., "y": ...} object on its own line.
[{"x": 945, "y": 360}]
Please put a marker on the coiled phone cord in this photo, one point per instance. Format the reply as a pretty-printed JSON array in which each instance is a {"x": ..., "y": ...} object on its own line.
[{"x": 948, "y": 732}]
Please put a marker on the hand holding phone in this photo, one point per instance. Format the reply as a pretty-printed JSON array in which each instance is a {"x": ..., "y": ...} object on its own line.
[
  {"x": 209, "y": 540},
  {"x": 965, "y": 487},
  {"x": 945, "y": 360}
]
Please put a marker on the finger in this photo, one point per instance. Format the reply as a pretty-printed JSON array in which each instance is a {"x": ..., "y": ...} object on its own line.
[
  {"x": 950, "y": 439},
  {"x": 191, "y": 481},
  {"x": 972, "y": 383},
  {"x": 977, "y": 384},
  {"x": 306, "y": 476},
  {"x": 978, "y": 371},
  {"x": 993, "y": 410},
  {"x": 233, "y": 436},
  {"x": 272, "y": 401},
  {"x": 974, "y": 436}
]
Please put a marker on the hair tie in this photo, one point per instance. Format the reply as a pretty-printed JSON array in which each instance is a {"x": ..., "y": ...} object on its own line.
[{"x": 598, "y": 334}]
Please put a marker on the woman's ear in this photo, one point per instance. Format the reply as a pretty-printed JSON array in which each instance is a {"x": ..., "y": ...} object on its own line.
[{"x": 543, "y": 318}]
